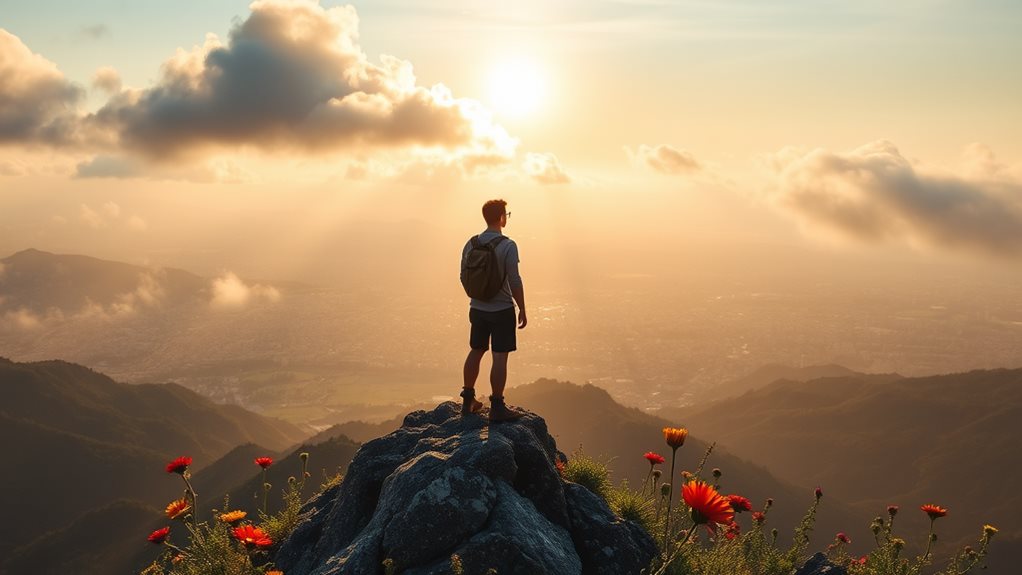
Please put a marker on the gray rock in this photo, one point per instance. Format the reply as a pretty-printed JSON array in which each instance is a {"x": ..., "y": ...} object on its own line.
[
  {"x": 819, "y": 565},
  {"x": 443, "y": 485},
  {"x": 607, "y": 545}
]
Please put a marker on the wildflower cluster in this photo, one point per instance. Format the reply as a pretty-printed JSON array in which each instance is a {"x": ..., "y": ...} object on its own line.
[
  {"x": 228, "y": 543},
  {"x": 701, "y": 533}
]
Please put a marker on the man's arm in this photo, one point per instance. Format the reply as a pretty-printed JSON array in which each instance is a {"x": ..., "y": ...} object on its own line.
[{"x": 514, "y": 280}]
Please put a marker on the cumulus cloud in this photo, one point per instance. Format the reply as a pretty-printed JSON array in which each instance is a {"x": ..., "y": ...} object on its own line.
[
  {"x": 873, "y": 193},
  {"x": 107, "y": 79},
  {"x": 21, "y": 319},
  {"x": 293, "y": 76},
  {"x": 666, "y": 159},
  {"x": 37, "y": 103},
  {"x": 136, "y": 223},
  {"x": 545, "y": 169},
  {"x": 91, "y": 217},
  {"x": 230, "y": 292},
  {"x": 105, "y": 216}
]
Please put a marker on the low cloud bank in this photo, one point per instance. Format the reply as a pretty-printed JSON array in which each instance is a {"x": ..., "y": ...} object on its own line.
[
  {"x": 873, "y": 193},
  {"x": 230, "y": 292}
]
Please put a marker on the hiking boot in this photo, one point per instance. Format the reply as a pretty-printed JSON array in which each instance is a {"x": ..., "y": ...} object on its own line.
[
  {"x": 499, "y": 411},
  {"x": 469, "y": 404}
]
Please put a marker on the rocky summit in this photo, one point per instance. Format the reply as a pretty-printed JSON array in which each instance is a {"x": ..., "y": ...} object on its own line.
[{"x": 445, "y": 485}]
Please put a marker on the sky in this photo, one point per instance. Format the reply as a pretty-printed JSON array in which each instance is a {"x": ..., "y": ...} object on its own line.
[{"x": 248, "y": 137}]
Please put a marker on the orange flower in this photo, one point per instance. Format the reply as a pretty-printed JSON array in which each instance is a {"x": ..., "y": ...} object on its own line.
[
  {"x": 264, "y": 462},
  {"x": 159, "y": 536},
  {"x": 934, "y": 511},
  {"x": 233, "y": 516},
  {"x": 274, "y": 573},
  {"x": 707, "y": 505},
  {"x": 675, "y": 436},
  {"x": 179, "y": 465},
  {"x": 759, "y": 517},
  {"x": 252, "y": 536},
  {"x": 177, "y": 508}
]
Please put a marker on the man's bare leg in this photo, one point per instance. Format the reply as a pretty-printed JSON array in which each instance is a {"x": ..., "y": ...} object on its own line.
[
  {"x": 498, "y": 379},
  {"x": 498, "y": 374},
  {"x": 471, "y": 372}
]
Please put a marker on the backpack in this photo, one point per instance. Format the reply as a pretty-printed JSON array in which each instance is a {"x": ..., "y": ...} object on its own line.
[{"x": 482, "y": 278}]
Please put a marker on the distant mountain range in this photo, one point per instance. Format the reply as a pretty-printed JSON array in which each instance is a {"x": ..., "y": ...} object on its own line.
[
  {"x": 74, "y": 441},
  {"x": 41, "y": 281},
  {"x": 879, "y": 440},
  {"x": 85, "y": 454}
]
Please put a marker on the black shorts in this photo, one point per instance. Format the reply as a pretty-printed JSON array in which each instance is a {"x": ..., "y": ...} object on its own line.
[{"x": 499, "y": 325}]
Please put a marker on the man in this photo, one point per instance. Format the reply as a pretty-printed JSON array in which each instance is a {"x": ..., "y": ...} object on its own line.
[{"x": 493, "y": 319}]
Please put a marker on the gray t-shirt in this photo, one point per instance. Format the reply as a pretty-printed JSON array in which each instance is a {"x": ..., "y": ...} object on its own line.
[{"x": 507, "y": 262}]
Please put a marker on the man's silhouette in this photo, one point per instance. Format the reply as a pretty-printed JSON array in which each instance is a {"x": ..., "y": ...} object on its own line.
[{"x": 493, "y": 320}]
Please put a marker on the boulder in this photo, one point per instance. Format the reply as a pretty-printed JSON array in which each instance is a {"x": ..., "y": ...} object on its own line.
[
  {"x": 819, "y": 565},
  {"x": 445, "y": 485}
]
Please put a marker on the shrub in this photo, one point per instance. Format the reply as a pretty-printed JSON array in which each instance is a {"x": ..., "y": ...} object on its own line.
[{"x": 589, "y": 473}]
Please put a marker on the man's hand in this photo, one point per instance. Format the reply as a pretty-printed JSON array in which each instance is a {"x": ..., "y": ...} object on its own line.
[{"x": 522, "y": 320}]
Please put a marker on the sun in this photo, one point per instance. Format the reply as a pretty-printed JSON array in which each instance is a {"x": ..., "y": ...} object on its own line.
[{"x": 517, "y": 88}]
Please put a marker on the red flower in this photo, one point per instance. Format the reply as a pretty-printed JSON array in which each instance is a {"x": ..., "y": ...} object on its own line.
[
  {"x": 733, "y": 530},
  {"x": 892, "y": 510},
  {"x": 759, "y": 517},
  {"x": 842, "y": 538},
  {"x": 739, "y": 503},
  {"x": 934, "y": 511},
  {"x": 252, "y": 536},
  {"x": 264, "y": 462},
  {"x": 859, "y": 561},
  {"x": 819, "y": 492},
  {"x": 159, "y": 536},
  {"x": 560, "y": 467},
  {"x": 654, "y": 458},
  {"x": 179, "y": 465},
  {"x": 707, "y": 505}
]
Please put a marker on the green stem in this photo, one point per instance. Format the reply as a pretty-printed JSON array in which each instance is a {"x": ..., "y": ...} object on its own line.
[
  {"x": 670, "y": 498},
  {"x": 195, "y": 505},
  {"x": 929, "y": 542},
  {"x": 648, "y": 477},
  {"x": 266, "y": 491}
]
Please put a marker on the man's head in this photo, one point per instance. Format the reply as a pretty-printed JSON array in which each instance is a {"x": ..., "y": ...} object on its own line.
[{"x": 495, "y": 213}]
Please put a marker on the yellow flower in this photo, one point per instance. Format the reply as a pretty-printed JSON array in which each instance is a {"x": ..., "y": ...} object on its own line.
[
  {"x": 177, "y": 508},
  {"x": 989, "y": 530},
  {"x": 675, "y": 436},
  {"x": 233, "y": 516}
]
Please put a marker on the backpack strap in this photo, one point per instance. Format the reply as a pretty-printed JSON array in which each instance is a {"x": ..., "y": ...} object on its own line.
[{"x": 475, "y": 242}]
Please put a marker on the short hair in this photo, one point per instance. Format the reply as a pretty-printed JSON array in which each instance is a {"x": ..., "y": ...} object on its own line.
[{"x": 492, "y": 210}]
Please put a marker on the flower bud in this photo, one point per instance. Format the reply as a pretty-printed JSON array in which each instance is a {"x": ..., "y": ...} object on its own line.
[
  {"x": 892, "y": 510},
  {"x": 291, "y": 480},
  {"x": 665, "y": 489},
  {"x": 769, "y": 503},
  {"x": 819, "y": 493},
  {"x": 656, "y": 474},
  {"x": 304, "y": 456},
  {"x": 933, "y": 536},
  {"x": 717, "y": 473},
  {"x": 989, "y": 531},
  {"x": 267, "y": 486},
  {"x": 898, "y": 543}
]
